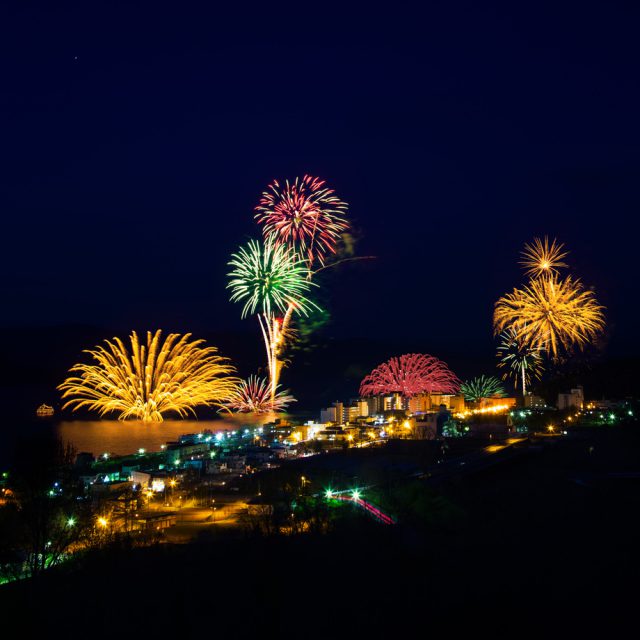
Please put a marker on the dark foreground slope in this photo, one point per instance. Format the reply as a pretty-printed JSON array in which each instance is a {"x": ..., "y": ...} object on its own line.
[{"x": 545, "y": 542}]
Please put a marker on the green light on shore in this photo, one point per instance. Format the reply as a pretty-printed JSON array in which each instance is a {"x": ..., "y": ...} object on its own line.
[
  {"x": 328, "y": 494},
  {"x": 355, "y": 494},
  {"x": 71, "y": 521}
]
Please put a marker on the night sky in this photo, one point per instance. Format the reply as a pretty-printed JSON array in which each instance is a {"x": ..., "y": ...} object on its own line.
[{"x": 136, "y": 140}]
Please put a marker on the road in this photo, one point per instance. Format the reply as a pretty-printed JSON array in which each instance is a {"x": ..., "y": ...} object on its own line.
[{"x": 192, "y": 519}]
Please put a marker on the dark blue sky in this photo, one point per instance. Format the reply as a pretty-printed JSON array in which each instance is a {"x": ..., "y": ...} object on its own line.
[{"x": 136, "y": 140}]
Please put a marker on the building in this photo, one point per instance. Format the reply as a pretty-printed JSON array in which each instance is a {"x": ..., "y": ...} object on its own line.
[
  {"x": 487, "y": 405},
  {"x": 419, "y": 403},
  {"x": 572, "y": 400},
  {"x": 362, "y": 408},
  {"x": 332, "y": 433},
  {"x": 216, "y": 466},
  {"x": 534, "y": 402},
  {"x": 357, "y": 409},
  {"x": 334, "y": 413},
  {"x": 393, "y": 402},
  {"x": 177, "y": 453},
  {"x": 111, "y": 488},
  {"x": 153, "y": 520},
  {"x": 456, "y": 403},
  {"x": 425, "y": 426},
  {"x": 236, "y": 462},
  {"x": 328, "y": 415},
  {"x": 374, "y": 405}
]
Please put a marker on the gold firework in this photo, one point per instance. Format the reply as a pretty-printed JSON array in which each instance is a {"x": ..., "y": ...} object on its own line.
[
  {"x": 540, "y": 257},
  {"x": 171, "y": 375},
  {"x": 551, "y": 314}
]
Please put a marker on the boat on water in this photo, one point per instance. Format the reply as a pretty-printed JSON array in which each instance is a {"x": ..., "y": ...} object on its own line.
[{"x": 44, "y": 410}]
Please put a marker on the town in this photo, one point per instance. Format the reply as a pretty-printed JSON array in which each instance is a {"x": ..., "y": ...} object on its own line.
[{"x": 212, "y": 478}]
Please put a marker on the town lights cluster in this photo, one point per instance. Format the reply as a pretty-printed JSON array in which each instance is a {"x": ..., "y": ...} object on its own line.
[{"x": 498, "y": 408}]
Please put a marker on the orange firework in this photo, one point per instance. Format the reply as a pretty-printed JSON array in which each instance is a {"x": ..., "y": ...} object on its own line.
[{"x": 551, "y": 314}]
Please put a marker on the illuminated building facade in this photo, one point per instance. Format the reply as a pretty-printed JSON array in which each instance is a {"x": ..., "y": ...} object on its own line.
[
  {"x": 534, "y": 402},
  {"x": 572, "y": 400}
]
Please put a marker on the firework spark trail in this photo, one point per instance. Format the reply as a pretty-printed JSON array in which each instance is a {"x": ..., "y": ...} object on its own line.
[
  {"x": 269, "y": 278},
  {"x": 304, "y": 215},
  {"x": 174, "y": 375},
  {"x": 482, "y": 387},
  {"x": 522, "y": 362},
  {"x": 302, "y": 223},
  {"x": 551, "y": 314},
  {"x": 254, "y": 396},
  {"x": 410, "y": 374},
  {"x": 540, "y": 257}
]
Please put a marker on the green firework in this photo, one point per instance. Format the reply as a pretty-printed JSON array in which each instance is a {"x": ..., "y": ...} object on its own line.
[
  {"x": 268, "y": 278},
  {"x": 521, "y": 361},
  {"x": 482, "y": 387}
]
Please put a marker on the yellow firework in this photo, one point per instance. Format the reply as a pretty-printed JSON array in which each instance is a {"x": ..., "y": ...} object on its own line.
[
  {"x": 171, "y": 375},
  {"x": 551, "y": 314},
  {"x": 540, "y": 257}
]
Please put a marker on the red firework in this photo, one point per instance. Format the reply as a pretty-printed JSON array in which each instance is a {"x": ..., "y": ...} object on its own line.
[
  {"x": 304, "y": 214},
  {"x": 254, "y": 396},
  {"x": 410, "y": 374}
]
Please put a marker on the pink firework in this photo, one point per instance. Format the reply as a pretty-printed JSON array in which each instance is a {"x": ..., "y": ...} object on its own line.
[
  {"x": 304, "y": 214},
  {"x": 410, "y": 374},
  {"x": 254, "y": 396}
]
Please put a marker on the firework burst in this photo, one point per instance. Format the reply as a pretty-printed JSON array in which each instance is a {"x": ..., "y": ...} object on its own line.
[
  {"x": 254, "y": 396},
  {"x": 269, "y": 278},
  {"x": 410, "y": 374},
  {"x": 150, "y": 379},
  {"x": 305, "y": 215},
  {"x": 521, "y": 361},
  {"x": 482, "y": 387},
  {"x": 551, "y": 314},
  {"x": 540, "y": 257}
]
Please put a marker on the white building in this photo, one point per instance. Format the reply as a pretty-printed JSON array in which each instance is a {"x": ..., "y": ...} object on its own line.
[{"x": 572, "y": 400}]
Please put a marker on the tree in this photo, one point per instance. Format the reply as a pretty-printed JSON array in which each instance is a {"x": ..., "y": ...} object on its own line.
[{"x": 46, "y": 521}]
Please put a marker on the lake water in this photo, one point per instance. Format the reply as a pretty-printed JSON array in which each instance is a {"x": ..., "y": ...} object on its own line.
[
  {"x": 17, "y": 420},
  {"x": 123, "y": 437}
]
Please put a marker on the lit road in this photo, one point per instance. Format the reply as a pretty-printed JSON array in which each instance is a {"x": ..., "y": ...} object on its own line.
[
  {"x": 193, "y": 519},
  {"x": 470, "y": 462},
  {"x": 370, "y": 508}
]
